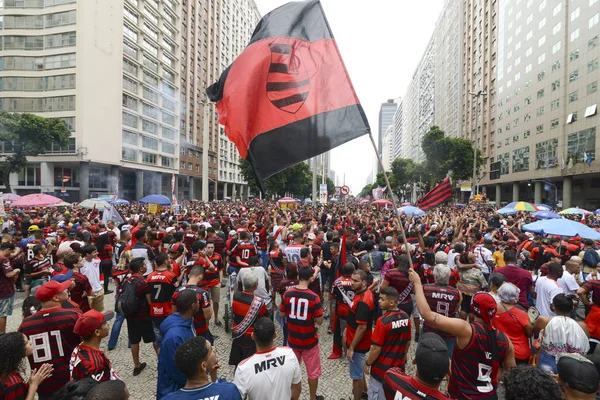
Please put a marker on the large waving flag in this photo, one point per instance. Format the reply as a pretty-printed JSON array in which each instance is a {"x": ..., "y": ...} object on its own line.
[
  {"x": 440, "y": 193},
  {"x": 288, "y": 96}
]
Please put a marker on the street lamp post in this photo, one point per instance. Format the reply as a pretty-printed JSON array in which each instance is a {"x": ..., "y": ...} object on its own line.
[
  {"x": 548, "y": 183},
  {"x": 480, "y": 93}
]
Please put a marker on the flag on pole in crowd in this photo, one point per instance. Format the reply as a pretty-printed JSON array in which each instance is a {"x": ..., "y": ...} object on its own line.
[
  {"x": 288, "y": 97},
  {"x": 173, "y": 194},
  {"x": 378, "y": 192},
  {"x": 112, "y": 214},
  {"x": 440, "y": 193}
]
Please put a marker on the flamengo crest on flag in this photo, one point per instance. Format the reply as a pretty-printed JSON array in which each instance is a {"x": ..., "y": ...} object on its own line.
[
  {"x": 440, "y": 193},
  {"x": 288, "y": 96}
]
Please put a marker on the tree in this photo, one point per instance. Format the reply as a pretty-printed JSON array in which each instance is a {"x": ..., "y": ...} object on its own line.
[
  {"x": 296, "y": 180},
  {"x": 366, "y": 191},
  {"x": 30, "y": 135}
]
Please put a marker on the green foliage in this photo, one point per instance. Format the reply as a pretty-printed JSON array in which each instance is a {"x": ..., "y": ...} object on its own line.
[
  {"x": 295, "y": 180},
  {"x": 31, "y": 136},
  {"x": 366, "y": 191}
]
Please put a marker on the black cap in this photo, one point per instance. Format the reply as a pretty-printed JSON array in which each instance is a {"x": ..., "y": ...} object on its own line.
[
  {"x": 578, "y": 373},
  {"x": 432, "y": 357},
  {"x": 71, "y": 233}
]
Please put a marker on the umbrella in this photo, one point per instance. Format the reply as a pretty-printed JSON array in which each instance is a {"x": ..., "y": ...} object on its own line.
[
  {"x": 411, "y": 210},
  {"x": 406, "y": 204},
  {"x": 308, "y": 201},
  {"x": 597, "y": 212},
  {"x": 159, "y": 199},
  {"x": 286, "y": 200},
  {"x": 460, "y": 204},
  {"x": 62, "y": 204},
  {"x": 563, "y": 227},
  {"x": 365, "y": 201},
  {"x": 382, "y": 203},
  {"x": 543, "y": 207},
  {"x": 97, "y": 203},
  {"x": 117, "y": 201},
  {"x": 10, "y": 197},
  {"x": 507, "y": 210},
  {"x": 36, "y": 200},
  {"x": 545, "y": 215},
  {"x": 574, "y": 210},
  {"x": 522, "y": 206}
]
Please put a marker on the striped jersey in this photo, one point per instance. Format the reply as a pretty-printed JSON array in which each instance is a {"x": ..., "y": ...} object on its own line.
[
  {"x": 474, "y": 373},
  {"x": 53, "y": 340},
  {"x": 211, "y": 273},
  {"x": 240, "y": 307},
  {"x": 443, "y": 300},
  {"x": 593, "y": 287},
  {"x": 80, "y": 290},
  {"x": 188, "y": 240},
  {"x": 218, "y": 242},
  {"x": 87, "y": 361},
  {"x": 396, "y": 385},
  {"x": 13, "y": 387},
  {"x": 392, "y": 333},
  {"x": 342, "y": 292},
  {"x": 361, "y": 313},
  {"x": 200, "y": 323},
  {"x": 244, "y": 250},
  {"x": 160, "y": 286},
  {"x": 260, "y": 238},
  {"x": 302, "y": 307}
]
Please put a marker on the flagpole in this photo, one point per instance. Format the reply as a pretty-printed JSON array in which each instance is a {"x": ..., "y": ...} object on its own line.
[{"x": 389, "y": 188}]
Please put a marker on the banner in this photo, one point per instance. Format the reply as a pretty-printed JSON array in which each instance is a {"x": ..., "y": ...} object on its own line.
[
  {"x": 152, "y": 208},
  {"x": 112, "y": 215},
  {"x": 436, "y": 196},
  {"x": 323, "y": 193}
]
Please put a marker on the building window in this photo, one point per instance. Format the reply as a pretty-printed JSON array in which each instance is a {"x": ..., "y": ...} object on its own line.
[
  {"x": 98, "y": 178},
  {"x": 168, "y": 148},
  {"x": 66, "y": 177},
  {"x": 575, "y": 34},
  {"x": 556, "y": 47},
  {"x": 593, "y": 21},
  {"x": 130, "y": 138},
  {"x": 149, "y": 126},
  {"x": 580, "y": 143},
  {"x": 556, "y": 28},
  {"x": 590, "y": 110},
  {"x": 555, "y": 85},
  {"x": 507, "y": 141},
  {"x": 593, "y": 42},
  {"x": 527, "y": 117},
  {"x": 504, "y": 161},
  {"x": 542, "y": 40},
  {"x": 148, "y": 158},
  {"x": 556, "y": 66},
  {"x": 528, "y": 100},
  {"x": 130, "y": 120},
  {"x": 191, "y": 166},
  {"x": 572, "y": 117},
  {"x": 574, "y": 55},
  {"x": 130, "y": 50},
  {"x": 30, "y": 175},
  {"x": 130, "y": 84},
  {"x": 539, "y": 111},
  {"x": 592, "y": 87},
  {"x": 541, "y": 58},
  {"x": 150, "y": 110},
  {"x": 554, "y": 104},
  {"x": 130, "y": 33},
  {"x": 541, "y": 76},
  {"x": 592, "y": 65},
  {"x": 554, "y": 123},
  {"x": 546, "y": 154},
  {"x": 575, "y": 14},
  {"x": 540, "y": 93},
  {"x": 573, "y": 96},
  {"x": 573, "y": 76},
  {"x": 515, "y": 138},
  {"x": 149, "y": 143},
  {"x": 130, "y": 102},
  {"x": 182, "y": 165},
  {"x": 539, "y": 129},
  {"x": 526, "y": 134},
  {"x": 520, "y": 159},
  {"x": 167, "y": 162}
]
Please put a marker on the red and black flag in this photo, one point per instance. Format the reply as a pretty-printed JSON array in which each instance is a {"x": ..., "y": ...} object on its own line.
[
  {"x": 440, "y": 193},
  {"x": 288, "y": 96}
]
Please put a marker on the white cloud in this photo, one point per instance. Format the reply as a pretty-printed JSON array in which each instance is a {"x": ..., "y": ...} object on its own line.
[{"x": 381, "y": 42}]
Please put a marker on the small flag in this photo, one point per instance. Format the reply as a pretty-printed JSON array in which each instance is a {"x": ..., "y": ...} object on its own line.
[
  {"x": 112, "y": 215},
  {"x": 440, "y": 193},
  {"x": 378, "y": 192},
  {"x": 288, "y": 97},
  {"x": 563, "y": 165}
]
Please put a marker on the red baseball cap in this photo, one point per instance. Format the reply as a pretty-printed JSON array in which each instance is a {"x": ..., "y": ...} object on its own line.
[
  {"x": 50, "y": 289},
  {"x": 176, "y": 248},
  {"x": 90, "y": 321}
]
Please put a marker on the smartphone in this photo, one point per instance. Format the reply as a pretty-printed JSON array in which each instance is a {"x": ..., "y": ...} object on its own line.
[{"x": 533, "y": 314}]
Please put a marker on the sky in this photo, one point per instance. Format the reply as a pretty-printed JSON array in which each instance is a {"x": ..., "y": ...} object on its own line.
[{"x": 381, "y": 42}]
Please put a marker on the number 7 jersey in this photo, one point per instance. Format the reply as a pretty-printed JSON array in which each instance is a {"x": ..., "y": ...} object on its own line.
[{"x": 53, "y": 340}]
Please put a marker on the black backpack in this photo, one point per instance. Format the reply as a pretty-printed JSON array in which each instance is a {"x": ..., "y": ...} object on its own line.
[{"x": 128, "y": 303}]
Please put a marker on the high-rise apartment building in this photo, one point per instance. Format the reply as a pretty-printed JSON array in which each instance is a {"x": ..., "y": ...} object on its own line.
[
  {"x": 546, "y": 103},
  {"x": 387, "y": 148},
  {"x": 386, "y": 118},
  {"x": 110, "y": 70}
]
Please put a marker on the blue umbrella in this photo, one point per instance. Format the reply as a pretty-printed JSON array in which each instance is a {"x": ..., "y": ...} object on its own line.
[
  {"x": 507, "y": 210},
  {"x": 563, "y": 227},
  {"x": 117, "y": 201},
  {"x": 156, "y": 199},
  {"x": 544, "y": 207},
  {"x": 411, "y": 210},
  {"x": 597, "y": 212},
  {"x": 546, "y": 215}
]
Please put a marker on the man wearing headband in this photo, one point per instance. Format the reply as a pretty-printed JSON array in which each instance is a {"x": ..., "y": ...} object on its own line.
[{"x": 480, "y": 351}]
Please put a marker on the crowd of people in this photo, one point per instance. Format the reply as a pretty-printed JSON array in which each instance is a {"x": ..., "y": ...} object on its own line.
[{"x": 492, "y": 310}]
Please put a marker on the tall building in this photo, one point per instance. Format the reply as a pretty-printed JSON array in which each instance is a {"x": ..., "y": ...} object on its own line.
[
  {"x": 546, "y": 103},
  {"x": 387, "y": 148},
  {"x": 200, "y": 66},
  {"x": 399, "y": 131},
  {"x": 239, "y": 18},
  {"x": 110, "y": 70},
  {"x": 386, "y": 118}
]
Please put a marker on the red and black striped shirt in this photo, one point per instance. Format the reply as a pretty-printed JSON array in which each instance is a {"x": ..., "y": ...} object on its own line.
[
  {"x": 261, "y": 239},
  {"x": 53, "y": 340},
  {"x": 361, "y": 313},
  {"x": 211, "y": 273},
  {"x": 399, "y": 281},
  {"x": 13, "y": 387},
  {"x": 193, "y": 262},
  {"x": 240, "y": 307},
  {"x": 103, "y": 254},
  {"x": 342, "y": 287},
  {"x": 396, "y": 385},
  {"x": 188, "y": 240},
  {"x": 287, "y": 284},
  {"x": 474, "y": 375},
  {"x": 302, "y": 307},
  {"x": 200, "y": 323},
  {"x": 392, "y": 333},
  {"x": 87, "y": 361},
  {"x": 243, "y": 250},
  {"x": 443, "y": 300},
  {"x": 80, "y": 290},
  {"x": 593, "y": 287},
  {"x": 7, "y": 285},
  {"x": 160, "y": 286},
  {"x": 218, "y": 242}
]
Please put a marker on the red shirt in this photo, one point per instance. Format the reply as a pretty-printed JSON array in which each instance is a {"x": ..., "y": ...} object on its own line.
[
  {"x": 399, "y": 386},
  {"x": 80, "y": 290},
  {"x": 200, "y": 323},
  {"x": 361, "y": 313},
  {"x": 302, "y": 307},
  {"x": 342, "y": 289},
  {"x": 392, "y": 333},
  {"x": 211, "y": 273},
  {"x": 160, "y": 287},
  {"x": 244, "y": 250},
  {"x": 13, "y": 387},
  {"x": 87, "y": 361},
  {"x": 519, "y": 277},
  {"x": 593, "y": 287}
]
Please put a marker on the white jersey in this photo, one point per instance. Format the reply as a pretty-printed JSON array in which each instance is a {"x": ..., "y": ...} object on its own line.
[
  {"x": 268, "y": 375},
  {"x": 278, "y": 236},
  {"x": 546, "y": 289},
  {"x": 292, "y": 253}
]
